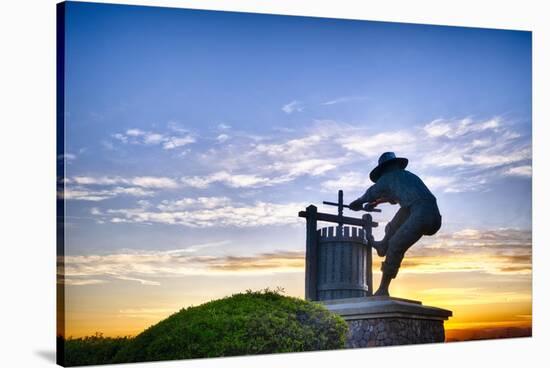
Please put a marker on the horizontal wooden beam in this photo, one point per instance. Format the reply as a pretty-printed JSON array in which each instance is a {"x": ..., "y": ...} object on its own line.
[{"x": 334, "y": 218}]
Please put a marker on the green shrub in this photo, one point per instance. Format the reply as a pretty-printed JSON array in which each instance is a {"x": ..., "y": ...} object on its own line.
[
  {"x": 90, "y": 349},
  {"x": 250, "y": 323}
]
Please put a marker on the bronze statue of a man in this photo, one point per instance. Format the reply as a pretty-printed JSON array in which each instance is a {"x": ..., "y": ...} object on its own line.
[{"x": 418, "y": 214}]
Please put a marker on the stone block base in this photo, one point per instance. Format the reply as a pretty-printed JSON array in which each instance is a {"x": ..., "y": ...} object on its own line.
[
  {"x": 385, "y": 321},
  {"x": 393, "y": 331}
]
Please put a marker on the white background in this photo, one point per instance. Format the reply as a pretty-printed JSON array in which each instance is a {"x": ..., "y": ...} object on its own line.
[{"x": 27, "y": 180}]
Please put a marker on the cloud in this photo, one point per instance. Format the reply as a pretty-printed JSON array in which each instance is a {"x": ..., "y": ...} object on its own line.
[
  {"x": 490, "y": 237},
  {"x": 300, "y": 167},
  {"x": 272, "y": 163},
  {"x": 311, "y": 155},
  {"x": 372, "y": 145},
  {"x": 154, "y": 182},
  {"x": 350, "y": 181},
  {"x": 223, "y": 126},
  {"x": 222, "y": 138},
  {"x": 206, "y": 212},
  {"x": 290, "y": 147},
  {"x": 523, "y": 171},
  {"x": 456, "y": 128},
  {"x": 271, "y": 261},
  {"x": 453, "y": 145},
  {"x": 272, "y": 160},
  {"x": 439, "y": 182},
  {"x": 81, "y": 282},
  {"x": 157, "y": 182},
  {"x": 469, "y": 156},
  {"x": 466, "y": 143},
  {"x": 142, "y": 265},
  {"x": 345, "y": 99},
  {"x": 175, "y": 142},
  {"x": 453, "y": 155},
  {"x": 458, "y": 183},
  {"x": 194, "y": 203},
  {"x": 85, "y": 194},
  {"x": 293, "y": 106},
  {"x": 90, "y": 188},
  {"x": 167, "y": 141},
  {"x": 141, "y": 281},
  {"x": 492, "y": 251},
  {"x": 231, "y": 180}
]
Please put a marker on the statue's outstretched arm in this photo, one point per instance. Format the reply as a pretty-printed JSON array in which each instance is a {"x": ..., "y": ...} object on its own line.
[{"x": 375, "y": 195}]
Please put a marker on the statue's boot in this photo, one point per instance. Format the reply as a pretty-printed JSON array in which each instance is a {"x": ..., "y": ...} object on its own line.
[
  {"x": 389, "y": 272},
  {"x": 382, "y": 292},
  {"x": 383, "y": 289}
]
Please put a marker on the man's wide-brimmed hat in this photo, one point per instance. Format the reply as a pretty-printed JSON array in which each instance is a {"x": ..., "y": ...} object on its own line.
[{"x": 387, "y": 158}]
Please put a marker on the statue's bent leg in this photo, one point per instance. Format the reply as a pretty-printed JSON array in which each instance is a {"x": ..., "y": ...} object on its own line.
[
  {"x": 405, "y": 236},
  {"x": 408, "y": 234},
  {"x": 424, "y": 219},
  {"x": 399, "y": 219}
]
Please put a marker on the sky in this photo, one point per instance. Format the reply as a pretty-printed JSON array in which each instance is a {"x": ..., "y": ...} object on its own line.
[{"x": 193, "y": 138}]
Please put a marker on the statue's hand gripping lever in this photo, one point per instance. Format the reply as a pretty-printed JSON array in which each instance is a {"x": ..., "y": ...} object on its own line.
[
  {"x": 368, "y": 207},
  {"x": 371, "y": 207}
]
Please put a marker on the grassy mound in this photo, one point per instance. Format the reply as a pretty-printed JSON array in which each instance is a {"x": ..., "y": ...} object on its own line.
[{"x": 250, "y": 323}]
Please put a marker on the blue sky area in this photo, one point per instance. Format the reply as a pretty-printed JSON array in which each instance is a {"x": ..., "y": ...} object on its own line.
[{"x": 202, "y": 134}]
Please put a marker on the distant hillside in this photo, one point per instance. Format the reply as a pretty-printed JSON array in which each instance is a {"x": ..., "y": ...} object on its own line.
[
  {"x": 487, "y": 333},
  {"x": 243, "y": 324}
]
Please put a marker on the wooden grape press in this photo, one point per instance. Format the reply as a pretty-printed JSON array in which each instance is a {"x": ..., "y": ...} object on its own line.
[
  {"x": 339, "y": 274},
  {"x": 338, "y": 258}
]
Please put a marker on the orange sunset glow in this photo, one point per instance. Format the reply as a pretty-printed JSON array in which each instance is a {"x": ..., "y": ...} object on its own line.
[{"x": 457, "y": 271}]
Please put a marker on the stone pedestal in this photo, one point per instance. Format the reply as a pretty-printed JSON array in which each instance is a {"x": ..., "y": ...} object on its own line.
[{"x": 384, "y": 321}]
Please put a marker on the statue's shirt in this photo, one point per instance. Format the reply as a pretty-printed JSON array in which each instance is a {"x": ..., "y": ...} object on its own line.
[{"x": 400, "y": 186}]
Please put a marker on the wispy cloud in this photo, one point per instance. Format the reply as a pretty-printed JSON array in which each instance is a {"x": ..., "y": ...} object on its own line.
[
  {"x": 293, "y": 106},
  {"x": 205, "y": 212},
  {"x": 456, "y": 128},
  {"x": 231, "y": 180},
  {"x": 348, "y": 181},
  {"x": 80, "y": 281},
  {"x": 372, "y": 145},
  {"x": 155, "y": 182},
  {"x": 523, "y": 171},
  {"x": 221, "y": 138},
  {"x": 256, "y": 164},
  {"x": 451, "y": 155},
  {"x": 167, "y": 141},
  {"x": 141, "y": 281},
  {"x": 148, "y": 267},
  {"x": 345, "y": 99},
  {"x": 92, "y": 188},
  {"x": 481, "y": 144},
  {"x": 270, "y": 262},
  {"x": 492, "y": 251},
  {"x": 95, "y": 195}
]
